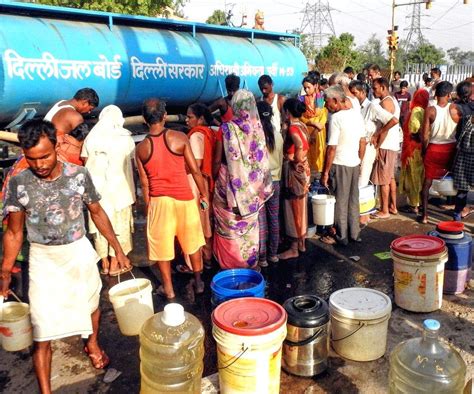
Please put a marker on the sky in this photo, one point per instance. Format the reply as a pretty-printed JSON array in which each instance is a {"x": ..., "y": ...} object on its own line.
[{"x": 449, "y": 23}]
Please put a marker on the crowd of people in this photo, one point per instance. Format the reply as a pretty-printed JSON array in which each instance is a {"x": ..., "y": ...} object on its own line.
[{"x": 230, "y": 190}]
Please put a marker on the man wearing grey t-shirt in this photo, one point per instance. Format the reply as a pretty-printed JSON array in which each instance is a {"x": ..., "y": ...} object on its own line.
[{"x": 64, "y": 284}]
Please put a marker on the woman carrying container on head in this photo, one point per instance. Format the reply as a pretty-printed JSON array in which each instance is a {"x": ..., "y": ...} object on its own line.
[
  {"x": 268, "y": 219},
  {"x": 315, "y": 118},
  {"x": 203, "y": 142},
  {"x": 243, "y": 185},
  {"x": 296, "y": 176}
]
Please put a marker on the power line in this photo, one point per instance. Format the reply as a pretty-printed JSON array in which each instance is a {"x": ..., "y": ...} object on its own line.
[
  {"x": 442, "y": 16},
  {"x": 317, "y": 22}
]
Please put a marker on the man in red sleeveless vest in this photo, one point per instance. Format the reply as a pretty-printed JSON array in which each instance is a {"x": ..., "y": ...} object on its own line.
[{"x": 162, "y": 159}]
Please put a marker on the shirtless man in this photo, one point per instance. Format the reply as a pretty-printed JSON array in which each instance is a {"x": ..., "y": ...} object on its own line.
[
  {"x": 162, "y": 159},
  {"x": 66, "y": 115},
  {"x": 265, "y": 83}
]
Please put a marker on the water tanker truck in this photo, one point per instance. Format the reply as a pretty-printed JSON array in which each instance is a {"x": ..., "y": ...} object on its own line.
[{"x": 48, "y": 53}]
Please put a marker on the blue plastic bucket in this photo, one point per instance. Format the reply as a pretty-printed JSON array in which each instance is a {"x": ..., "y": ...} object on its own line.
[
  {"x": 457, "y": 268},
  {"x": 237, "y": 283},
  {"x": 459, "y": 250}
]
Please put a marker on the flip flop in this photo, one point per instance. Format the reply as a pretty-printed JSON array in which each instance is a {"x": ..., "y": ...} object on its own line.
[
  {"x": 183, "y": 269},
  {"x": 161, "y": 292},
  {"x": 409, "y": 209},
  {"x": 377, "y": 216},
  {"x": 198, "y": 289},
  {"x": 328, "y": 240},
  {"x": 467, "y": 214},
  {"x": 393, "y": 212},
  {"x": 120, "y": 271}
]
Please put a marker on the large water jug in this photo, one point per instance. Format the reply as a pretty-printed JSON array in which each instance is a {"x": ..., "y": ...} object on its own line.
[
  {"x": 424, "y": 365},
  {"x": 171, "y": 352}
]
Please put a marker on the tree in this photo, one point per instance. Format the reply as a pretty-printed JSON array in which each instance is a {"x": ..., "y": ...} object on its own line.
[
  {"x": 425, "y": 53},
  {"x": 373, "y": 52},
  {"x": 133, "y": 7},
  {"x": 459, "y": 57},
  {"x": 218, "y": 17},
  {"x": 338, "y": 53}
]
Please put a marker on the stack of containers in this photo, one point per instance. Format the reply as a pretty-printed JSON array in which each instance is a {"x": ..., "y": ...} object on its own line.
[
  {"x": 418, "y": 269},
  {"x": 459, "y": 245}
]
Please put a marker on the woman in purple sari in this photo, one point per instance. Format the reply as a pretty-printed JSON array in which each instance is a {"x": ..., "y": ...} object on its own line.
[{"x": 243, "y": 185}]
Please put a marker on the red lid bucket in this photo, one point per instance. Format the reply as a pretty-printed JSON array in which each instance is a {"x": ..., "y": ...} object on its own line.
[
  {"x": 418, "y": 245},
  {"x": 249, "y": 316}
]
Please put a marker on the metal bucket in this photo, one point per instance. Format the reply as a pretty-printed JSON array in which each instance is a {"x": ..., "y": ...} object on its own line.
[{"x": 305, "y": 349}]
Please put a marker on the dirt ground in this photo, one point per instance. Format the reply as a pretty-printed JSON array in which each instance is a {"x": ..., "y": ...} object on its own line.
[{"x": 321, "y": 271}]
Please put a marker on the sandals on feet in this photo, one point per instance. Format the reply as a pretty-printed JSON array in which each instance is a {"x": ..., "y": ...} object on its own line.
[
  {"x": 161, "y": 292},
  {"x": 98, "y": 360},
  {"x": 328, "y": 240},
  {"x": 183, "y": 269},
  {"x": 378, "y": 215},
  {"x": 120, "y": 271},
  {"x": 198, "y": 287}
]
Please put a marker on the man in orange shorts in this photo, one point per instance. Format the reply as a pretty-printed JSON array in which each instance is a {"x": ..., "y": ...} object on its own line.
[{"x": 162, "y": 159}]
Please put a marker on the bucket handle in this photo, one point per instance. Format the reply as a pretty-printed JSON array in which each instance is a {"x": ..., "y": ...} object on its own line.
[
  {"x": 349, "y": 335},
  {"x": 305, "y": 341},
  {"x": 235, "y": 358},
  {"x": 14, "y": 296},
  {"x": 131, "y": 273}
]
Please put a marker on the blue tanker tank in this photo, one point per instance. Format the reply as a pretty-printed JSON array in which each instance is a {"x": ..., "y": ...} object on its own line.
[{"x": 47, "y": 53}]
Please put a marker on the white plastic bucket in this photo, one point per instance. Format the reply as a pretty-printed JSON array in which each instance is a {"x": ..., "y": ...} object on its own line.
[
  {"x": 16, "y": 317},
  {"x": 249, "y": 363},
  {"x": 323, "y": 209},
  {"x": 359, "y": 315},
  {"x": 445, "y": 186},
  {"x": 132, "y": 303},
  {"x": 419, "y": 281},
  {"x": 366, "y": 199}
]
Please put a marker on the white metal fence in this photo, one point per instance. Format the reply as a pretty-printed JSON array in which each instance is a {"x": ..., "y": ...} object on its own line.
[{"x": 413, "y": 73}]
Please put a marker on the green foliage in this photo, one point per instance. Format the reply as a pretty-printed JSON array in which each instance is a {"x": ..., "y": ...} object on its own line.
[
  {"x": 374, "y": 52},
  {"x": 133, "y": 7},
  {"x": 218, "y": 17},
  {"x": 339, "y": 53},
  {"x": 425, "y": 53},
  {"x": 459, "y": 57},
  {"x": 307, "y": 47}
]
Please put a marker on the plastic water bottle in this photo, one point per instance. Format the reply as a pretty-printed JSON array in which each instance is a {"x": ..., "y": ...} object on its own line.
[
  {"x": 171, "y": 352},
  {"x": 425, "y": 365}
]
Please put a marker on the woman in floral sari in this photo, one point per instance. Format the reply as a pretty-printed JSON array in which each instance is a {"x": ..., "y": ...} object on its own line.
[
  {"x": 412, "y": 172},
  {"x": 315, "y": 118},
  {"x": 242, "y": 186},
  {"x": 296, "y": 176}
]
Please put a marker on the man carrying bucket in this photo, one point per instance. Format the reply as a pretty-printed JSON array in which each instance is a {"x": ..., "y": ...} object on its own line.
[{"x": 64, "y": 285}]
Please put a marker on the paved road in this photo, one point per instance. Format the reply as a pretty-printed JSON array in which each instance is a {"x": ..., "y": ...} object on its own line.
[{"x": 322, "y": 270}]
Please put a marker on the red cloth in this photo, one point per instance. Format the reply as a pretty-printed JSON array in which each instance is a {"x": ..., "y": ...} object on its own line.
[
  {"x": 69, "y": 149},
  {"x": 229, "y": 114},
  {"x": 166, "y": 171},
  {"x": 290, "y": 146},
  {"x": 438, "y": 160},
  {"x": 420, "y": 99},
  {"x": 209, "y": 146}
]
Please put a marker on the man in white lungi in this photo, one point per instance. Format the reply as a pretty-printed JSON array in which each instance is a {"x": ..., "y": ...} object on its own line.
[{"x": 64, "y": 280}]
